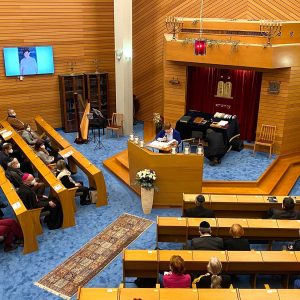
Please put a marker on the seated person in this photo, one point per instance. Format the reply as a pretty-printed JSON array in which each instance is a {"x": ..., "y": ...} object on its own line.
[
  {"x": 199, "y": 211},
  {"x": 206, "y": 241},
  {"x": 14, "y": 121},
  {"x": 176, "y": 277},
  {"x": 12, "y": 232},
  {"x": 287, "y": 212},
  {"x": 215, "y": 148},
  {"x": 29, "y": 136},
  {"x": 14, "y": 175},
  {"x": 43, "y": 154},
  {"x": 237, "y": 242},
  {"x": 7, "y": 155},
  {"x": 64, "y": 175},
  {"x": 213, "y": 279},
  {"x": 31, "y": 201},
  {"x": 168, "y": 134}
]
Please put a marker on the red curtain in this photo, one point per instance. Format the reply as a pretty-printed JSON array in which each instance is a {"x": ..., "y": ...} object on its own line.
[{"x": 202, "y": 88}]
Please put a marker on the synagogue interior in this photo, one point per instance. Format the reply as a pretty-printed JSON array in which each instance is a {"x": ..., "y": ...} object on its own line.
[{"x": 150, "y": 150}]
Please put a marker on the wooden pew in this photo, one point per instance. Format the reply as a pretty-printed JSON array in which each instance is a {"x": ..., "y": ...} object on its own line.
[
  {"x": 66, "y": 196},
  {"x": 29, "y": 220},
  {"x": 232, "y": 206},
  {"x": 145, "y": 263},
  {"x": 180, "y": 230},
  {"x": 75, "y": 158},
  {"x": 183, "y": 294}
]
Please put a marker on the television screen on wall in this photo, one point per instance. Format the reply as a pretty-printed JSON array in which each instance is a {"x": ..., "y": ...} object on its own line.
[{"x": 21, "y": 61}]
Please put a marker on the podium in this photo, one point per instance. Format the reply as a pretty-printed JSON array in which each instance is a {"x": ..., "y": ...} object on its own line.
[{"x": 176, "y": 173}]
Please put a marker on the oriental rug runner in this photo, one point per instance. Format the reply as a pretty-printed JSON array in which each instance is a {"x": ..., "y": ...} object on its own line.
[{"x": 82, "y": 266}]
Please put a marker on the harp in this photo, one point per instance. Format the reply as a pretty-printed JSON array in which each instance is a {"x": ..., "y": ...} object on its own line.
[{"x": 82, "y": 110}]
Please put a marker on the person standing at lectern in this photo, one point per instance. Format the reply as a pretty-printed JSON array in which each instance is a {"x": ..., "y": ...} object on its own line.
[
  {"x": 168, "y": 134},
  {"x": 215, "y": 148}
]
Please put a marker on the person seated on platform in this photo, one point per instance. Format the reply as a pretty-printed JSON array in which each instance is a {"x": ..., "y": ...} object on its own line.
[
  {"x": 30, "y": 200},
  {"x": 215, "y": 148},
  {"x": 206, "y": 241},
  {"x": 14, "y": 175},
  {"x": 199, "y": 211},
  {"x": 237, "y": 242},
  {"x": 64, "y": 175},
  {"x": 176, "y": 277},
  {"x": 168, "y": 134},
  {"x": 14, "y": 121},
  {"x": 214, "y": 278},
  {"x": 287, "y": 212},
  {"x": 12, "y": 233}
]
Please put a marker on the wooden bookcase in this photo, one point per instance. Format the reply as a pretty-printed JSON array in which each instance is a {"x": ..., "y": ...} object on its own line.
[
  {"x": 70, "y": 84},
  {"x": 97, "y": 91},
  {"x": 92, "y": 86}
]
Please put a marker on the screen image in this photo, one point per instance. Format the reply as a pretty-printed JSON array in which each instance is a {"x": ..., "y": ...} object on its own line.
[{"x": 28, "y": 60}]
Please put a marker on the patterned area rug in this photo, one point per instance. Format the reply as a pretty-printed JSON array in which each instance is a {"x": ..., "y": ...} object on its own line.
[{"x": 82, "y": 266}]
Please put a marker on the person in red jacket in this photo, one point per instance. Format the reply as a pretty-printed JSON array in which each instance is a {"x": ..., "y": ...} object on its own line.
[{"x": 176, "y": 277}]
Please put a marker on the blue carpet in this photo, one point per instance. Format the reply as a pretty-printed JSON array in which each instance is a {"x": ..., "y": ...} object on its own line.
[{"x": 18, "y": 271}]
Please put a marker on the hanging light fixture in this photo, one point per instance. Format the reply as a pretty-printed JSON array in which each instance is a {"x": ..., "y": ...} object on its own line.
[{"x": 200, "y": 44}]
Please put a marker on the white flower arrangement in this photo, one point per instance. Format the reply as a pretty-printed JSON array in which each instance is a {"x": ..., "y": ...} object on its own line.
[{"x": 146, "y": 178}]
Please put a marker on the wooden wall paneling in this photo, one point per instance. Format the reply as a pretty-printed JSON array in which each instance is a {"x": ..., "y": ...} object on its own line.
[
  {"x": 291, "y": 132},
  {"x": 78, "y": 30}
]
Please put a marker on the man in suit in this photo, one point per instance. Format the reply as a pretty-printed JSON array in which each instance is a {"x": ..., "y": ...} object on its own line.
[
  {"x": 215, "y": 148},
  {"x": 287, "y": 212},
  {"x": 199, "y": 211},
  {"x": 206, "y": 241},
  {"x": 31, "y": 201}
]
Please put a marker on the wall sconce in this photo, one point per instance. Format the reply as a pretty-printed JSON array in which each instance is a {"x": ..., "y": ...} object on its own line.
[
  {"x": 119, "y": 54},
  {"x": 174, "y": 81}
]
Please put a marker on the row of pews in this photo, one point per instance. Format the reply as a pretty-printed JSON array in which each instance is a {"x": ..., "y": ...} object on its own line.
[
  {"x": 30, "y": 219},
  {"x": 235, "y": 206},
  {"x": 180, "y": 230},
  {"x": 183, "y": 294}
]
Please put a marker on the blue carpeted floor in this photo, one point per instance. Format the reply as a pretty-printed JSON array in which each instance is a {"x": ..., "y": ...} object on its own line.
[{"x": 18, "y": 271}]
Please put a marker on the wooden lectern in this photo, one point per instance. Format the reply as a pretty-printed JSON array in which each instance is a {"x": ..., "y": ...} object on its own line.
[{"x": 176, "y": 173}]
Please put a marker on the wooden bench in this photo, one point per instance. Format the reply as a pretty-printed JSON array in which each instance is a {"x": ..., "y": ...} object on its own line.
[
  {"x": 29, "y": 220},
  {"x": 66, "y": 196},
  {"x": 232, "y": 206},
  {"x": 180, "y": 230},
  {"x": 148, "y": 263},
  {"x": 183, "y": 294},
  {"x": 75, "y": 158}
]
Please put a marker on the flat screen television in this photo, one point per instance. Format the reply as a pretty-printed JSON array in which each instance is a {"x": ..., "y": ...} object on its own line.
[{"x": 21, "y": 61}]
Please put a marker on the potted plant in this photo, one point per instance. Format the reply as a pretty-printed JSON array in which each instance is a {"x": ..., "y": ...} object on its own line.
[{"x": 145, "y": 179}]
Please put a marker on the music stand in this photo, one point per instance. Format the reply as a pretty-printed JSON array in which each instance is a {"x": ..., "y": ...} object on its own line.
[{"x": 96, "y": 139}]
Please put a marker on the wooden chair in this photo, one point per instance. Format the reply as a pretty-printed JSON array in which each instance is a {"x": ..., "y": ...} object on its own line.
[
  {"x": 115, "y": 124},
  {"x": 266, "y": 137}
]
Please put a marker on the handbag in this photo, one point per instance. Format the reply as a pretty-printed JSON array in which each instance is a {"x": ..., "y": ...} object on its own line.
[{"x": 93, "y": 195}]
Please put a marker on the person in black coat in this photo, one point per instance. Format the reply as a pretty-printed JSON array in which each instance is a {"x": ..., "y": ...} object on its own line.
[
  {"x": 237, "y": 242},
  {"x": 64, "y": 175},
  {"x": 199, "y": 211},
  {"x": 206, "y": 241},
  {"x": 214, "y": 277},
  {"x": 287, "y": 212},
  {"x": 31, "y": 201},
  {"x": 215, "y": 148}
]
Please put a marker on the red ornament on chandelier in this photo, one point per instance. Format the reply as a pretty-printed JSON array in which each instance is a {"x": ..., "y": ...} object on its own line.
[{"x": 200, "y": 47}]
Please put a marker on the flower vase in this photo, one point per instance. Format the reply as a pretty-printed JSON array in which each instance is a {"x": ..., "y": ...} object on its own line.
[{"x": 147, "y": 200}]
